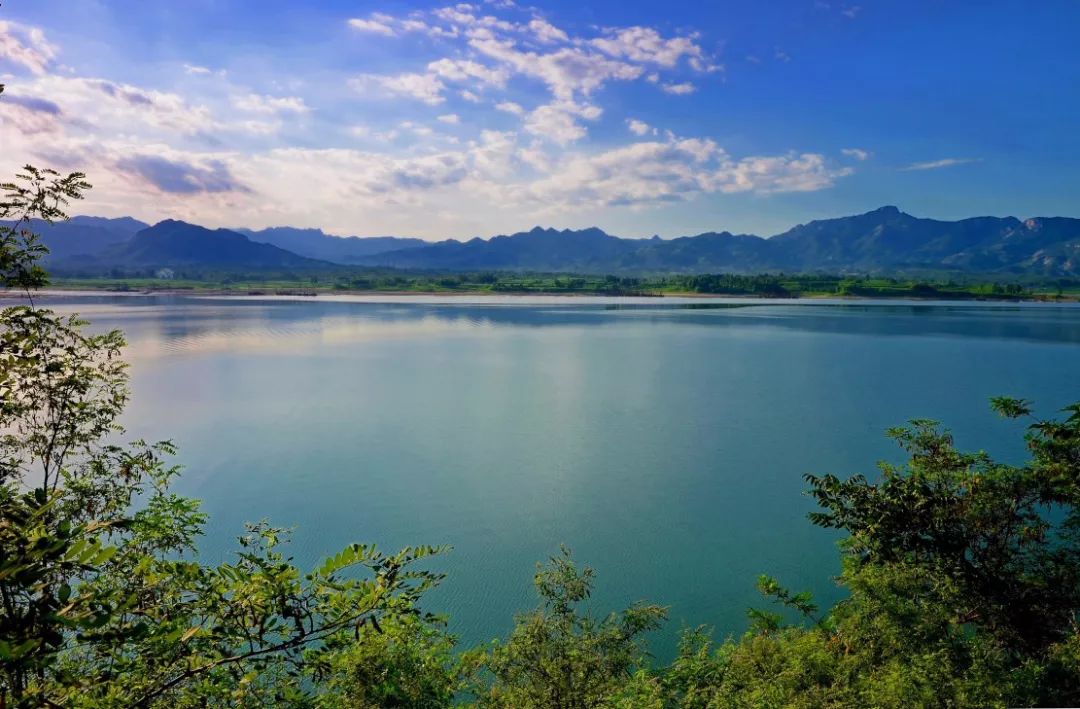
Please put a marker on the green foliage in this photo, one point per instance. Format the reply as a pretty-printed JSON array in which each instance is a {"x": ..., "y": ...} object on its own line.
[
  {"x": 963, "y": 579},
  {"x": 559, "y": 656},
  {"x": 767, "y": 621},
  {"x": 386, "y": 280},
  {"x": 60, "y": 392},
  {"x": 101, "y": 602},
  {"x": 405, "y": 662},
  {"x": 35, "y": 194},
  {"x": 42, "y": 603},
  {"x": 979, "y": 528}
]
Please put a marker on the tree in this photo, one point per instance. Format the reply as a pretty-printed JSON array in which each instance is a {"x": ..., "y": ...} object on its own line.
[
  {"x": 101, "y": 603},
  {"x": 964, "y": 582},
  {"x": 989, "y": 550},
  {"x": 407, "y": 662},
  {"x": 560, "y": 657}
]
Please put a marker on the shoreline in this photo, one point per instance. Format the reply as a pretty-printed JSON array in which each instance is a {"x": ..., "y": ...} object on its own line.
[{"x": 302, "y": 293}]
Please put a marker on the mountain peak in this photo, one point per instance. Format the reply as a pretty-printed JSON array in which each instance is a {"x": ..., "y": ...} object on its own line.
[{"x": 175, "y": 243}]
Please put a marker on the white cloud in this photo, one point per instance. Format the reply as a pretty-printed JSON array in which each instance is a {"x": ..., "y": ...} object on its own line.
[
  {"x": 856, "y": 153},
  {"x": 29, "y": 115},
  {"x": 566, "y": 71},
  {"x": 652, "y": 173},
  {"x": 645, "y": 44},
  {"x": 426, "y": 193},
  {"x": 639, "y": 128},
  {"x": 463, "y": 15},
  {"x": 460, "y": 14},
  {"x": 220, "y": 159},
  {"x": 807, "y": 172},
  {"x": 256, "y": 103},
  {"x": 546, "y": 32},
  {"x": 257, "y": 128},
  {"x": 510, "y": 107},
  {"x": 423, "y": 87},
  {"x": 679, "y": 89},
  {"x": 416, "y": 128},
  {"x": 372, "y": 26},
  {"x": 429, "y": 86},
  {"x": 97, "y": 104},
  {"x": 558, "y": 122},
  {"x": 937, "y": 164},
  {"x": 464, "y": 69},
  {"x": 555, "y": 125},
  {"x": 493, "y": 50},
  {"x": 26, "y": 46},
  {"x": 414, "y": 25}
]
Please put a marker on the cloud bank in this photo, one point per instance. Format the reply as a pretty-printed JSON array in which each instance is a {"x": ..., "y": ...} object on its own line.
[{"x": 497, "y": 117}]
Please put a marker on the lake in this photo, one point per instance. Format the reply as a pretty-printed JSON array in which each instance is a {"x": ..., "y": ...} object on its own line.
[{"x": 662, "y": 440}]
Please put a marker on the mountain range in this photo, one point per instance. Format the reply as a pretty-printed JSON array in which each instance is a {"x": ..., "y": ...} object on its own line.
[
  {"x": 881, "y": 241},
  {"x": 313, "y": 243},
  {"x": 179, "y": 244}
]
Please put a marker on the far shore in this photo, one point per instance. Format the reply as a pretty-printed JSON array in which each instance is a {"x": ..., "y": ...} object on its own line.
[{"x": 331, "y": 293}]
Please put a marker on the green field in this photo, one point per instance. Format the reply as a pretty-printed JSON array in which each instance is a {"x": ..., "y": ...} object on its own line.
[{"x": 764, "y": 285}]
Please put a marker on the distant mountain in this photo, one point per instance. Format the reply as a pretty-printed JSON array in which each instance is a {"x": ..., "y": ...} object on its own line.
[
  {"x": 888, "y": 239},
  {"x": 85, "y": 237},
  {"x": 705, "y": 253},
  {"x": 587, "y": 251},
  {"x": 119, "y": 225},
  {"x": 884, "y": 240},
  {"x": 537, "y": 250},
  {"x": 175, "y": 244},
  {"x": 314, "y": 243}
]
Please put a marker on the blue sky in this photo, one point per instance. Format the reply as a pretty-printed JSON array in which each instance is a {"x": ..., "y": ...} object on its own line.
[{"x": 489, "y": 117}]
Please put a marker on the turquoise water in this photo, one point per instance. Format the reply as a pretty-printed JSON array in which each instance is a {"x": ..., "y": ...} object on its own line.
[{"x": 665, "y": 445}]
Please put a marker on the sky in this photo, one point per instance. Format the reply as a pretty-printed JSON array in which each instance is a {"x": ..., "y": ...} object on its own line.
[{"x": 474, "y": 119}]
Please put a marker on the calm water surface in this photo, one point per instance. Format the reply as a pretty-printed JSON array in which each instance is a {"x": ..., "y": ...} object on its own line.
[{"x": 665, "y": 445}]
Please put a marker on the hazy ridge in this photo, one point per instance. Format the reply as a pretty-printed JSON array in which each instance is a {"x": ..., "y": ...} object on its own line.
[{"x": 883, "y": 240}]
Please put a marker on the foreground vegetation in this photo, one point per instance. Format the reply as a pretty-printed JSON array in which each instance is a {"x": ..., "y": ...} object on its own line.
[
  {"x": 962, "y": 573},
  {"x": 762, "y": 285}
]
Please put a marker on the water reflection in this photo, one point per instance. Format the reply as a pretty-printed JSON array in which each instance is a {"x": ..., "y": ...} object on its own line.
[{"x": 171, "y": 324}]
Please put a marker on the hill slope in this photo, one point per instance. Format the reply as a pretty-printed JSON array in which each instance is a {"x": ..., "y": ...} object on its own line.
[
  {"x": 85, "y": 237},
  {"x": 174, "y": 243}
]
